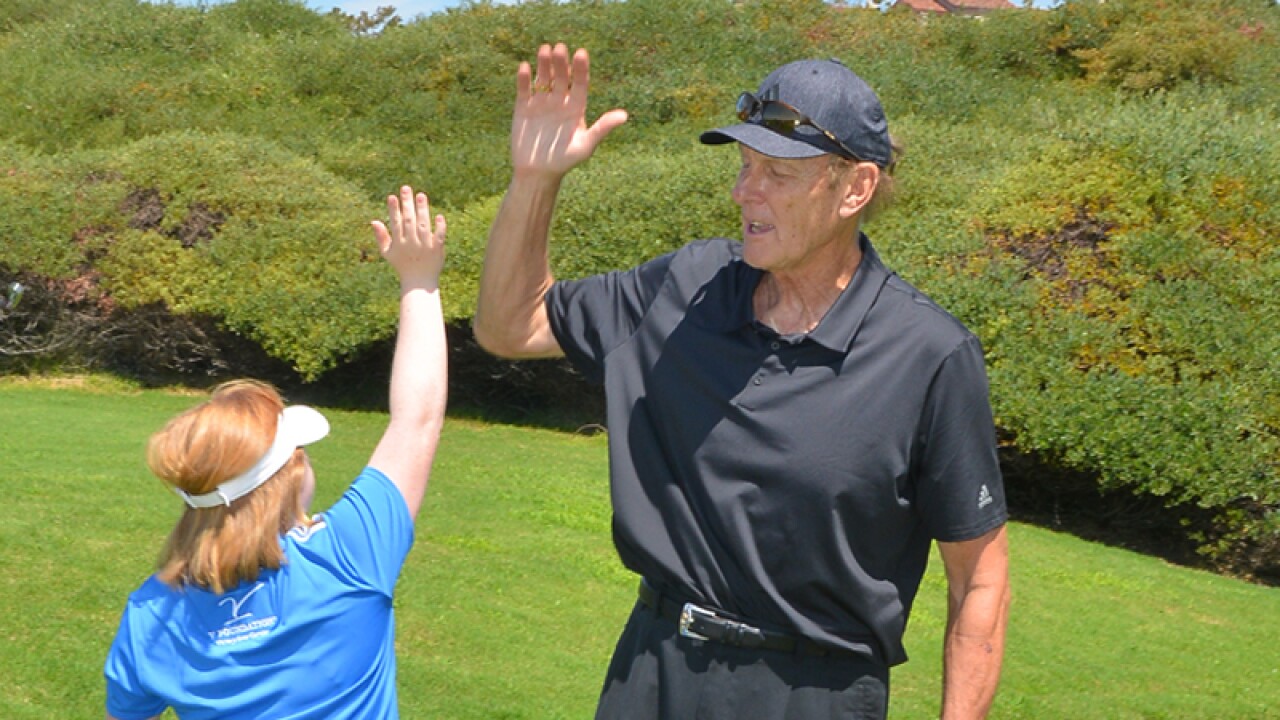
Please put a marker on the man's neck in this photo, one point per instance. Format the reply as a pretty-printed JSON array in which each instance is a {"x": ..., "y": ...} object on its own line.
[{"x": 795, "y": 301}]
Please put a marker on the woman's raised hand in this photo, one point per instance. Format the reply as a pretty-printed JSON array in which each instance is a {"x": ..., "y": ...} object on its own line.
[{"x": 413, "y": 247}]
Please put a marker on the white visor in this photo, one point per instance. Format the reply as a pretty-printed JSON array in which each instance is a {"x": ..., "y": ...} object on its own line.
[{"x": 299, "y": 425}]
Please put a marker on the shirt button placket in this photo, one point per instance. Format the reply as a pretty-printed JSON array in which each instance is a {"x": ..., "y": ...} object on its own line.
[{"x": 770, "y": 360}]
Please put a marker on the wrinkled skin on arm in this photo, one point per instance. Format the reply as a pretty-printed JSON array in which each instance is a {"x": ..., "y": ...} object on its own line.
[
  {"x": 977, "y": 614},
  {"x": 549, "y": 137}
]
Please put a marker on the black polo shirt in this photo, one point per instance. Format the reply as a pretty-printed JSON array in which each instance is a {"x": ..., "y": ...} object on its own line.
[{"x": 795, "y": 481}]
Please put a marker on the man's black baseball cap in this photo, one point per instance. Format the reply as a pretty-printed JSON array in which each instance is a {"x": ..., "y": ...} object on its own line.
[{"x": 833, "y": 98}]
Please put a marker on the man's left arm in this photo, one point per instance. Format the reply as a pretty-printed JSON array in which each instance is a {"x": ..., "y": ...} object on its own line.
[{"x": 977, "y": 613}]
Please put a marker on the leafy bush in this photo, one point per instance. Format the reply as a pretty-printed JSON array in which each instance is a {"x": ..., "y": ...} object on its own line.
[
  {"x": 1142, "y": 356},
  {"x": 35, "y": 239},
  {"x": 1092, "y": 189},
  {"x": 620, "y": 211},
  {"x": 292, "y": 264},
  {"x": 219, "y": 226},
  {"x": 1145, "y": 46},
  {"x": 15, "y": 13}
]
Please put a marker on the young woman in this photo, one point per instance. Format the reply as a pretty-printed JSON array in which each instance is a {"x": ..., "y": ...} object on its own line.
[{"x": 257, "y": 610}]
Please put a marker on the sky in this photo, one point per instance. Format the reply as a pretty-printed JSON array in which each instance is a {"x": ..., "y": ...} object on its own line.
[
  {"x": 409, "y": 9},
  {"x": 406, "y": 9}
]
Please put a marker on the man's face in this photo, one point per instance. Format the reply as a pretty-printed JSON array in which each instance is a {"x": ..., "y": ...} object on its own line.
[{"x": 791, "y": 212}]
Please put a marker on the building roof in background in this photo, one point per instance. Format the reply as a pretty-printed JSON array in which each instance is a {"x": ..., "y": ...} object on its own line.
[{"x": 962, "y": 7}]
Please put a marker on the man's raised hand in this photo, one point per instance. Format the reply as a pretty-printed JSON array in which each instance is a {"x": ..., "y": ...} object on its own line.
[{"x": 549, "y": 132}]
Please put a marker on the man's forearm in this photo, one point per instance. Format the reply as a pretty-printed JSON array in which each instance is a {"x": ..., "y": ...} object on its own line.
[
  {"x": 510, "y": 319},
  {"x": 973, "y": 653},
  {"x": 978, "y": 598}
]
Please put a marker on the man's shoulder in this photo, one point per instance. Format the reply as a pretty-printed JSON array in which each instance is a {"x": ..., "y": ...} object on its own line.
[
  {"x": 689, "y": 266},
  {"x": 932, "y": 320},
  {"x": 714, "y": 251},
  {"x": 702, "y": 259}
]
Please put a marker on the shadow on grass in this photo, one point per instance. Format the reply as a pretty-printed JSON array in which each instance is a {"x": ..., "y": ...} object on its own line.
[
  {"x": 550, "y": 394},
  {"x": 531, "y": 393},
  {"x": 1043, "y": 493}
]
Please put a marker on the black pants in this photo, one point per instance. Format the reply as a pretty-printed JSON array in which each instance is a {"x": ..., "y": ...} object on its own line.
[{"x": 658, "y": 674}]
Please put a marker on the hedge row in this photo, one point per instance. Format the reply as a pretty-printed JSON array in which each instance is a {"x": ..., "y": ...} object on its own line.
[
  {"x": 219, "y": 225},
  {"x": 1092, "y": 189}
]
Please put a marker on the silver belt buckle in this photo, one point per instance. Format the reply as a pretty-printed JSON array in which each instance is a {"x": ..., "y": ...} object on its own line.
[{"x": 687, "y": 616}]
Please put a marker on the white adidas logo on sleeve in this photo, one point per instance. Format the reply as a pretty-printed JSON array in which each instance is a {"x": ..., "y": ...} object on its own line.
[{"x": 984, "y": 497}]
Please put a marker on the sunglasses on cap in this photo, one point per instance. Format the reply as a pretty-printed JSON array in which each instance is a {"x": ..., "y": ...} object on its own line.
[{"x": 783, "y": 119}]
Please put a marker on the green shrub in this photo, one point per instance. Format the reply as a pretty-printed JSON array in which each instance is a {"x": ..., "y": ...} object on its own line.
[
  {"x": 621, "y": 210},
  {"x": 285, "y": 258},
  {"x": 1092, "y": 189},
  {"x": 15, "y": 13},
  {"x": 1142, "y": 357},
  {"x": 35, "y": 227},
  {"x": 221, "y": 226},
  {"x": 1013, "y": 42},
  {"x": 1143, "y": 46}
]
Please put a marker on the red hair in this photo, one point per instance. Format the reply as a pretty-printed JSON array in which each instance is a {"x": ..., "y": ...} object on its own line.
[{"x": 219, "y": 547}]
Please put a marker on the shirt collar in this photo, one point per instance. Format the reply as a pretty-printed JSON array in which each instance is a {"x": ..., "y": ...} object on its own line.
[{"x": 840, "y": 325}]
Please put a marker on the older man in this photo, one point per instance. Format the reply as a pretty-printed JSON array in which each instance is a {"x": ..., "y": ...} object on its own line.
[{"x": 790, "y": 424}]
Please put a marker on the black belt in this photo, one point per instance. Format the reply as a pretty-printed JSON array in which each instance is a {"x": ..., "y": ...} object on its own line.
[{"x": 700, "y": 623}]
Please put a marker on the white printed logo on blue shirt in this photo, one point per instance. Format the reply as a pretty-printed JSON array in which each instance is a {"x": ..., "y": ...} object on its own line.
[{"x": 242, "y": 625}]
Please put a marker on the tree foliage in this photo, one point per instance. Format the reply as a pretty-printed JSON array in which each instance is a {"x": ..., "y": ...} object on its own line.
[{"x": 1092, "y": 189}]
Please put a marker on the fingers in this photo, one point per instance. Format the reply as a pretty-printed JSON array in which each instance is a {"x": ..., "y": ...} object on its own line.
[
  {"x": 581, "y": 78},
  {"x": 408, "y": 214},
  {"x": 524, "y": 83},
  {"x": 606, "y": 124},
  {"x": 442, "y": 228},
  {"x": 560, "y": 81},
  {"x": 389, "y": 232},
  {"x": 381, "y": 235},
  {"x": 549, "y": 130},
  {"x": 409, "y": 220},
  {"x": 542, "y": 81},
  {"x": 422, "y": 211},
  {"x": 554, "y": 75},
  {"x": 553, "y": 69}
]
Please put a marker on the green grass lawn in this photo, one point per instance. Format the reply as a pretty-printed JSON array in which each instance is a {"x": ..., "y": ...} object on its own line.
[{"x": 512, "y": 597}]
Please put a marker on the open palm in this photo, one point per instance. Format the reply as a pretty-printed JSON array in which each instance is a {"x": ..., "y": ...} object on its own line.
[{"x": 549, "y": 132}]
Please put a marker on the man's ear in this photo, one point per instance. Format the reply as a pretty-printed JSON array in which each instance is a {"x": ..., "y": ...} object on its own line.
[{"x": 859, "y": 187}]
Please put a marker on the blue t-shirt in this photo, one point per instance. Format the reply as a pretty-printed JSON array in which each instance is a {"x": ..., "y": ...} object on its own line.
[{"x": 313, "y": 639}]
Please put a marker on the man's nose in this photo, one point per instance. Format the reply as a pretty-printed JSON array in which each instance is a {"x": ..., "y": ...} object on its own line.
[{"x": 747, "y": 187}]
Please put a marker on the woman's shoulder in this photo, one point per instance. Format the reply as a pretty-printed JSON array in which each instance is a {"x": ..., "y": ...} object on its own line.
[
  {"x": 365, "y": 534},
  {"x": 154, "y": 591},
  {"x": 371, "y": 488}
]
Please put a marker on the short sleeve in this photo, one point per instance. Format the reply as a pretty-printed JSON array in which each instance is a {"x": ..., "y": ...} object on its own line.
[
  {"x": 371, "y": 531},
  {"x": 126, "y": 698},
  {"x": 960, "y": 492},
  {"x": 592, "y": 316}
]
